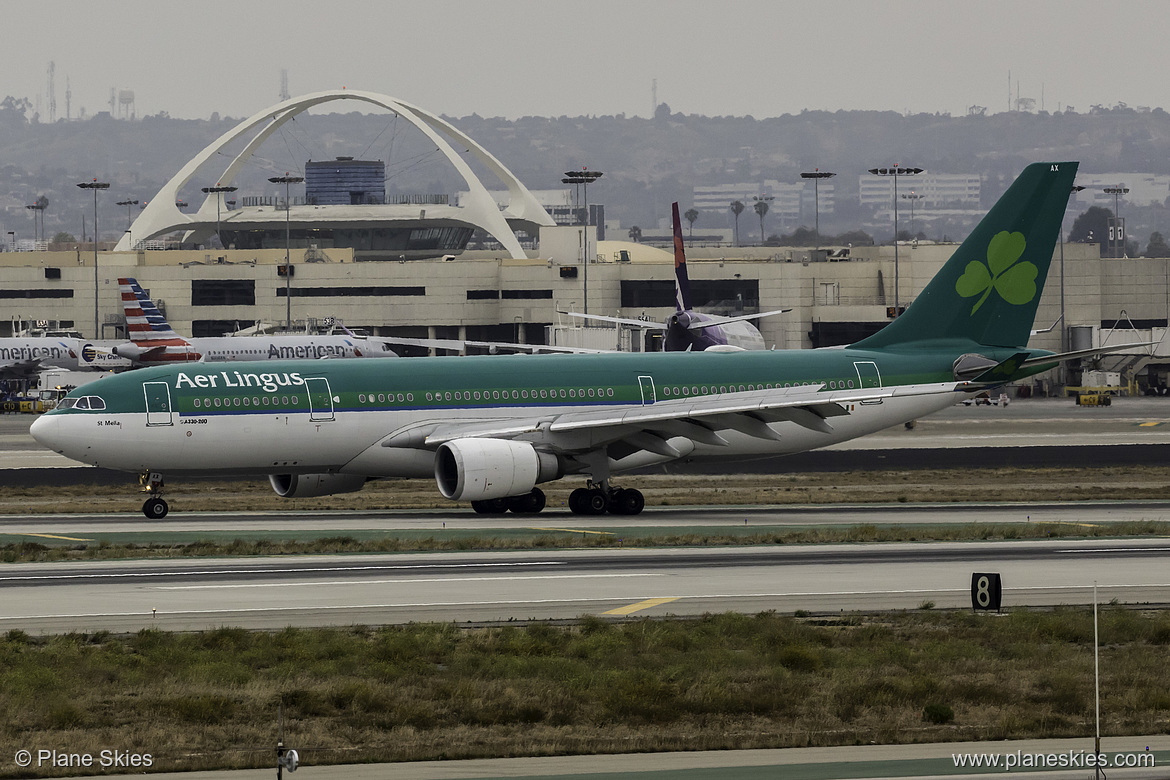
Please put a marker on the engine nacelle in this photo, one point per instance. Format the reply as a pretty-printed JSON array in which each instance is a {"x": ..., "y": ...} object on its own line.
[
  {"x": 480, "y": 469},
  {"x": 313, "y": 485}
]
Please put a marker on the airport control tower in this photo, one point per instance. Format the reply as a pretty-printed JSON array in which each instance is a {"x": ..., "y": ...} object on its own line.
[{"x": 345, "y": 181}]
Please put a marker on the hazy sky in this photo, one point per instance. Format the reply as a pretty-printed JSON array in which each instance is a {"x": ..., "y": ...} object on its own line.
[{"x": 549, "y": 58}]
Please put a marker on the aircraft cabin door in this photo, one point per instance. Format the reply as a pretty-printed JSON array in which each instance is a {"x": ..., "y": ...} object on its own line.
[
  {"x": 868, "y": 377},
  {"x": 647, "y": 385},
  {"x": 158, "y": 403},
  {"x": 320, "y": 399}
]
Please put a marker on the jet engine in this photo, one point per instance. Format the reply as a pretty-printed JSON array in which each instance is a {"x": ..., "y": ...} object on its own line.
[
  {"x": 313, "y": 485},
  {"x": 481, "y": 469}
]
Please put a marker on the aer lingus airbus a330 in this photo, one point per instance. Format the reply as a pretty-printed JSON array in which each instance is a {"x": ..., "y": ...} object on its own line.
[{"x": 490, "y": 429}]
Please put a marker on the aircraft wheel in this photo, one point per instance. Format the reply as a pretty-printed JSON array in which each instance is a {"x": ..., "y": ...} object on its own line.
[
  {"x": 490, "y": 506},
  {"x": 595, "y": 502},
  {"x": 629, "y": 502},
  {"x": 578, "y": 501},
  {"x": 527, "y": 504},
  {"x": 155, "y": 508},
  {"x": 613, "y": 504}
]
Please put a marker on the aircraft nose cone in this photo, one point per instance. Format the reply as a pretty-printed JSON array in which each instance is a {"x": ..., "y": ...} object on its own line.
[{"x": 44, "y": 430}]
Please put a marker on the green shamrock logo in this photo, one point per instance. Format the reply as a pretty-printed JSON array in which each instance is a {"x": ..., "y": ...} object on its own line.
[{"x": 1015, "y": 281}]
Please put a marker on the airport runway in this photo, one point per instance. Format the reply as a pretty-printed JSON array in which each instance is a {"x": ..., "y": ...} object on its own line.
[
  {"x": 491, "y": 587},
  {"x": 657, "y": 520}
]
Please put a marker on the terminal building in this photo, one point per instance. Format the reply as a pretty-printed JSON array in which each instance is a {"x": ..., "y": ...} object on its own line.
[{"x": 404, "y": 269}]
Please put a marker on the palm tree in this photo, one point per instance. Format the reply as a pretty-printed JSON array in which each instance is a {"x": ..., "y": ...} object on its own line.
[
  {"x": 635, "y": 234},
  {"x": 691, "y": 215},
  {"x": 736, "y": 209},
  {"x": 761, "y": 208}
]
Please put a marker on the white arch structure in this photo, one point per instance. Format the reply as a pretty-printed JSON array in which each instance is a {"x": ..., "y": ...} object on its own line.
[{"x": 162, "y": 216}]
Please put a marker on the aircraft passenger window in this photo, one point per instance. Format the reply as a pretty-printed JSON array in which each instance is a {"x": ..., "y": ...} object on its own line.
[
  {"x": 267, "y": 400},
  {"x": 400, "y": 398},
  {"x": 361, "y": 398},
  {"x": 722, "y": 389},
  {"x": 495, "y": 395},
  {"x": 410, "y": 396},
  {"x": 686, "y": 391},
  {"x": 255, "y": 401},
  {"x": 850, "y": 384},
  {"x": 196, "y": 403},
  {"x": 544, "y": 394},
  {"x": 591, "y": 392},
  {"x": 295, "y": 400},
  {"x": 216, "y": 403},
  {"x": 447, "y": 396},
  {"x": 236, "y": 401},
  {"x": 609, "y": 392},
  {"x": 562, "y": 393},
  {"x": 428, "y": 396},
  {"x": 245, "y": 402},
  {"x": 477, "y": 395},
  {"x": 83, "y": 402}
]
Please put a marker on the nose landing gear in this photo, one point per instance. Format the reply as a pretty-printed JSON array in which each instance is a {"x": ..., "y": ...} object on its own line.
[{"x": 154, "y": 507}]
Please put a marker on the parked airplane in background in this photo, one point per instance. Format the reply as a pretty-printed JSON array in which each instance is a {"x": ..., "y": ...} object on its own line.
[
  {"x": 687, "y": 330},
  {"x": 490, "y": 429},
  {"x": 153, "y": 342},
  {"x": 24, "y": 358}
]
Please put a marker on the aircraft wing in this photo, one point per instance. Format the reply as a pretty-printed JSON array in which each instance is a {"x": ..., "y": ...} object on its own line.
[
  {"x": 647, "y": 324},
  {"x": 647, "y": 427},
  {"x": 20, "y": 369},
  {"x": 724, "y": 320}
]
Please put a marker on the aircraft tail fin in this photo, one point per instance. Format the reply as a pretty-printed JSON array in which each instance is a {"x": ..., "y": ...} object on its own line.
[
  {"x": 988, "y": 291},
  {"x": 682, "y": 285},
  {"x": 145, "y": 324}
]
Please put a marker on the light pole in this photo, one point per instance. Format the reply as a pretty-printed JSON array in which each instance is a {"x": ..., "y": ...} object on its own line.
[
  {"x": 584, "y": 177},
  {"x": 95, "y": 185},
  {"x": 913, "y": 196},
  {"x": 1117, "y": 228},
  {"x": 218, "y": 191},
  {"x": 896, "y": 171},
  {"x": 816, "y": 175},
  {"x": 286, "y": 180},
  {"x": 128, "y": 204}
]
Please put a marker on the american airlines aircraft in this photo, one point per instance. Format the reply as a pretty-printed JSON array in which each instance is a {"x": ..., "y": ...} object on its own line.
[
  {"x": 490, "y": 429},
  {"x": 153, "y": 342}
]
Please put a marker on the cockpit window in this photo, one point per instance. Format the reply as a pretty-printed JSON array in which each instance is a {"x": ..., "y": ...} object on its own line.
[{"x": 85, "y": 402}]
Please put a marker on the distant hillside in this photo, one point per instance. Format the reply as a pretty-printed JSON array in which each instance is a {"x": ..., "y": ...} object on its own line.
[{"x": 647, "y": 162}]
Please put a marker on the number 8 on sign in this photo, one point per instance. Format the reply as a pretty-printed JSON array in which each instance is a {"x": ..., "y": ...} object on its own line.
[{"x": 986, "y": 592}]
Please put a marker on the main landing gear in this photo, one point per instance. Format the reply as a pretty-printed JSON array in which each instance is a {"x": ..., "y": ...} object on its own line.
[
  {"x": 527, "y": 504},
  {"x": 599, "y": 499},
  {"x": 154, "y": 507}
]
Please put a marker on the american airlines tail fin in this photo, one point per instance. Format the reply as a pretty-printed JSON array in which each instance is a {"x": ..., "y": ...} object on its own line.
[
  {"x": 145, "y": 324},
  {"x": 988, "y": 291},
  {"x": 682, "y": 285}
]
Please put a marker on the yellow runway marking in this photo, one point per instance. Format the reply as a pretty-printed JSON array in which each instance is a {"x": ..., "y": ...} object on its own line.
[
  {"x": 1148, "y": 424},
  {"x": 574, "y": 531},
  {"x": 630, "y": 609},
  {"x": 53, "y": 536}
]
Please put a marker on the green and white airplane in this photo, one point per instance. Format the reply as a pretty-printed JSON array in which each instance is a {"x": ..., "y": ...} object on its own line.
[{"x": 490, "y": 429}]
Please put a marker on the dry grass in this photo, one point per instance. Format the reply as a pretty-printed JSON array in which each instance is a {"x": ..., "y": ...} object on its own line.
[{"x": 211, "y": 700}]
